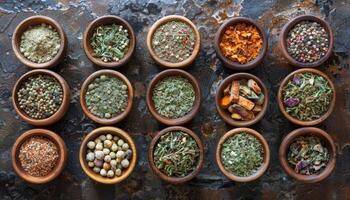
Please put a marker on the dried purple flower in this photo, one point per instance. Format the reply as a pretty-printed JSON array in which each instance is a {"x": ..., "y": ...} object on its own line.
[
  {"x": 291, "y": 102},
  {"x": 301, "y": 165},
  {"x": 296, "y": 80}
]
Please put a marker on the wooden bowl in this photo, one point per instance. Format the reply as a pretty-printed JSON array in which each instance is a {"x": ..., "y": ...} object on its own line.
[
  {"x": 121, "y": 115},
  {"x": 283, "y": 151},
  {"x": 177, "y": 121},
  {"x": 225, "y": 114},
  {"x": 33, "y": 21},
  {"x": 264, "y": 165},
  {"x": 57, "y": 140},
  {"x": 235, "y": 65},
  {"x": 167, "y": 64},
  {"x": 107, "y": 20},
  {"x": 115, "y": 132},
  {"x": 164, "y": 177},
  {"x": 295, "y": 120},
  {"x": 61, "y": 110},
  {"x": 283, "y": 40}
]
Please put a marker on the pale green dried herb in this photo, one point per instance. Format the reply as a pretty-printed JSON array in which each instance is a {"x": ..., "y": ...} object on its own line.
[
  {"x": 40, "y": 43},
  {"x": 308, "y": 155},
  {"x": 173, "y": 97},
  {"x": 307, "y": 96},
  {"x": 242, "y": 154},
  {"x": 106, "y": 96},
  {"x": 110, "y": 42},
  {"x": 176, "y": 154}
]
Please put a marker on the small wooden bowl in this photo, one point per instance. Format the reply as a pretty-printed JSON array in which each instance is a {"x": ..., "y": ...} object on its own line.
[
  {"x": 284, "y": 34},
  {"x": 60, "y": 163},
  {"x": 167, "y": 64},
  {"x": 61, "y": 110},
  {"x": 107, "y": 20},
  {"x": 295, "y": 120},
  {"x": 283, "y": 151},
  {"x": 164, "y": 177},
  {"x": 177, "y": 121},
  {"x": 264, "y": 165},
  {"x": 84, "y": 88},
  {"x": 115, "y": 132},
  {"x": 33, "y": 21},
  {"x": 235, "y": 65},
  {"x": 225, "y": 114}
]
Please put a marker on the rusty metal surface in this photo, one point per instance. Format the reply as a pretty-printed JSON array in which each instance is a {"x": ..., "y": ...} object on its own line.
[{"x": 207, "y": 15}]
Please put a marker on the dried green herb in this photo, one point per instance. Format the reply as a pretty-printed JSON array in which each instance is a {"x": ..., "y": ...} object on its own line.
[
  {"x": 307, "y": 96},
  {"x": 173, "y": 97},
  {"x": 308, "y": 155},
  {"x": 176, "y": 154},
  {"x": 110, "y": 42},
  {"x": 106, "y": 97},
  {"x": 174, "y": 41},
  {"x": 40, "y": 96},
  {"x": 242, "y": 154},
  {"x": 40, "y": 43}
]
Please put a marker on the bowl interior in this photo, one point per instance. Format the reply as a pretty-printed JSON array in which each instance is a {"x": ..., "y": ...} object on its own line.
[
  {"x": 115, "y": 132},
  {"x": 110, "y": 73}
]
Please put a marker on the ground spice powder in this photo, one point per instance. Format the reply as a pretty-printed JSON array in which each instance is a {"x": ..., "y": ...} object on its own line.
[
  {"x": 241, "y": 43},
  {"x": 38, "y": 156}
]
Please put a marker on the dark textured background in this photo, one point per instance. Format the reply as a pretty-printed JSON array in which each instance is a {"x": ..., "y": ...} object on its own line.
[{"x": 207, "y": 15}]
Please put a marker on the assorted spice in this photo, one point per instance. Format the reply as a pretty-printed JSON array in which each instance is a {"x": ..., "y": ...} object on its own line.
[
  {"x": 243, "y": 99},
  {"x": 308, "y": 155},
  {"x": 176, "y": 154},
  {"x": 242, "y": 154},
  {"x": 40, "y": 43},
  {"x": 106, "y": 96},
  {"x": 241, "y": 43},
  {"x": 307, "y": 96},
  {"x": 173, "y": 97},
  {"x": 108, "y": 155},
  {"x": 40, "y": 96},
  {"x": 174, "y": 41},
  {"x": 38, "y": 156},
  {"x": 110, "y": 42},
  {"x": 307, "y": 41}
]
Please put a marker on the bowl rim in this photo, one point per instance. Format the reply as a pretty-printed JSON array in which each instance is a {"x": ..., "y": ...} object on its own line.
[
  {"x": 61, "y": 110},
  {"x": 167, "y": 64},
  {"x": 295, "y": 120},
  {"x": 60, "y": 163},
  {"x": 161, "y": 175},
  {"x": 114, "y": 131},
  {"x": 289, "y": 25},
  {"x": 264, "y": 165},
  {"x": 114, "y": 74},
  {"x": 105, "y": 20},
  {"x": 307, "y": 131},
  {"x": 37, "y": 20},
  {"x": 176, "y": 121},
  {"x": 234, "y": 65},
  {"x": 223, "y": 113}
]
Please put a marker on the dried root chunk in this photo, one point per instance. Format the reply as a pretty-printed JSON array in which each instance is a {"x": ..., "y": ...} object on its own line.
[
  {"x": 225, "y": 102},
  {"x": 234, "y": 92},
  {"x": 246, "y": 103},
  {"x": 254, "y": 86}
]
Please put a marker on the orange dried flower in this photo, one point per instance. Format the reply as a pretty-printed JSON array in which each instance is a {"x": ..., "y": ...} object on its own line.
[{"x": 241, "y": 43}]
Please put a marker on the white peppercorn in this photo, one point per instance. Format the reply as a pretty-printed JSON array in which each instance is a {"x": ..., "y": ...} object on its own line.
[
  {"x": 97, "y": 169},
  {"x": 125, "y": 146},
  {"x": 112, "y": 154},
  {"x": 120, "y": 154},
  {"x": 103, "y": 172},
  {"x": 110, "y": 173},
  {"x": 114, "y": 147},
  {"x": 118, "y": 172},
  {"x": 116, "y": 138},
  {"x": 107, "y": 143},
  {"x": 109, "y": 137},
  {"x": 99, "y": 155},
  {"x": 90, "y": 156},
  {"x": 91, "y": 164},
  {"x": 102, "y": 138},
  {"x": 107, "y": 158},
  {"x": 99, "y": 146},
  {"x": 91, "y": 144},
  {"x": 125, "y": 163},
  {"x": 106, "y": 151},
  {"x": 120, "y": 142}
]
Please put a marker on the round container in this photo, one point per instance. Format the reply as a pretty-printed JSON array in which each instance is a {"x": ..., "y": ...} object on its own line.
[
  {"x": 121, "y": 115},
  {"x": 61, "y": 110},
  {"x": 225, "y": 114},
  {"x": 235, "y": 65},
  {"x": 295, "y": 120},
  {"x": 177, "y": 121},
  {"x": 34, "y": 21},
  {"x": 115, "y": 132},
  {"x": 287, "y": 141},
  {"x": 167, "y": 64},
  {"x": 60, "y": 163},
  {"x": 283, "y": 40},
  {"x": 164, "y": 177},
  {"x": 264, "y": 165},
  {"x": 107, "y": 20}
]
